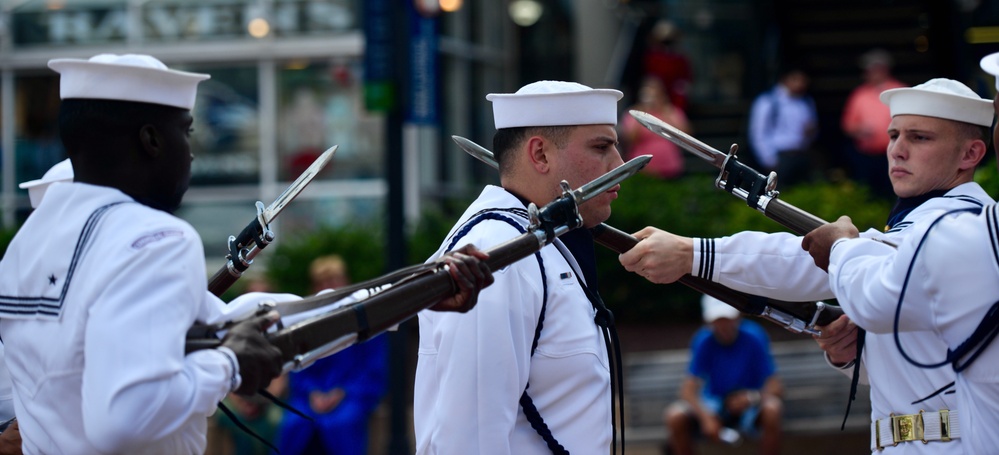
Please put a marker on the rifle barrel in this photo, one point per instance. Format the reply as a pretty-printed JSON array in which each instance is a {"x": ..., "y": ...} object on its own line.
[{"x": 620, "y": 242}]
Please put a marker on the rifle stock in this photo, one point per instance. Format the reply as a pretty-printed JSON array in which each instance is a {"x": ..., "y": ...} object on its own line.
[{"x": 805, "y": 314}]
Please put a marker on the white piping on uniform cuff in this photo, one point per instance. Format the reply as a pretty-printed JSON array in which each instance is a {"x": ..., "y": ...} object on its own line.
[
  {"x": 838, "y": 367},
  {"x": 837, "y": 242},
  {"x": 235, "y": 379}
]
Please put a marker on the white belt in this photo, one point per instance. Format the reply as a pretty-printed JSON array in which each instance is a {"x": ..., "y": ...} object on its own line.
[{"x": 925, "y": 427}]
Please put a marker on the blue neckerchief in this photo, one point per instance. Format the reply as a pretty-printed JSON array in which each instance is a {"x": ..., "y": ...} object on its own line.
[{"x": 908, "y": 204}]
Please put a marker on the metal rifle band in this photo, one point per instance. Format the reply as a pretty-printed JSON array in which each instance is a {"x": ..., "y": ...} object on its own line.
[
  {"x": 306, "y": 341},
  {"x": 796, "y": 317}
]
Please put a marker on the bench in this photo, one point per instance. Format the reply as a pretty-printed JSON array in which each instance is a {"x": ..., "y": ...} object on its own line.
[{"x": 815, "y": 395}]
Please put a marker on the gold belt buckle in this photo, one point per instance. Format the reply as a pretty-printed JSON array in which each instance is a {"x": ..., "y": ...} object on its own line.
[{"x": 906, "y": 428}]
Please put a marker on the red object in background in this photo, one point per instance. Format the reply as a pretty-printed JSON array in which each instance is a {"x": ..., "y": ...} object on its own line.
[{"x": 673, "y": 69}]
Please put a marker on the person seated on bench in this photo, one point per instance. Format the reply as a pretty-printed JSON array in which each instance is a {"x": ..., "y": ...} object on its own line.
[{"x": 731, "y": 388}]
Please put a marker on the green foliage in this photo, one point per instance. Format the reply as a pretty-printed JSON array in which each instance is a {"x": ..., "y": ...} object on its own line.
[
  {"x": 361, "y": 247},
  {"x": 987, "y": 175},
  {"x": 432, "y": 228},
  {"x": 6, "y": 235}
]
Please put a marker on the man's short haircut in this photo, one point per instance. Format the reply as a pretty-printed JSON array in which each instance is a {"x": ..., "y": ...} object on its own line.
[
  {"x": 507, "y": 139},
  {"x": 971, "y": 131},
  {"x": 86, "y": 124}
]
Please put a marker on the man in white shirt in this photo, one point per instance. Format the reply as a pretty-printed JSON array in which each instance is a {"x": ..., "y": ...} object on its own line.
[
  {"x": 938, "y": 134},
  {"x": 526, "y": 371},
  {"x": 100, "y": 285},
  {"x": 940, "y": 280}
]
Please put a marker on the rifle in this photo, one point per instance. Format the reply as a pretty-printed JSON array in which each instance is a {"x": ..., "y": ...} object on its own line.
[
  {"x": 257, "y": 234},
  {"x": 304, "y": 342},
  {"x": 796, "y": 317}
]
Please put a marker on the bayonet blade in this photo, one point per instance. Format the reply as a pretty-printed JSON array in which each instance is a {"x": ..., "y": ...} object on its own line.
[
  {"x": 581, "y": 194},
  {"x": 479, "y": 152},
  {"x": 608, "y": 180},
  {"x": 684, "y": 140},
  {"x": 296, "y": 187}
]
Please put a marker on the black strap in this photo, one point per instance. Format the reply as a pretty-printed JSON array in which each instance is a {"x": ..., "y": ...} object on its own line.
[
  {"x": 242, "y": 426},
  {"x": 530, "y": 410},
  {"x": 604, "y": 318},
  {"x": 856, "y": 375}
]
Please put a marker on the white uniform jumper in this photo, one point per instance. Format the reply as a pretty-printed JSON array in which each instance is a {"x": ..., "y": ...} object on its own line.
[
  {"x": 951, "y": 287},
  {"x": 473, "y": 367},
  {"x": 116, "y": 295},
  {"x": 775, "y": 266}
]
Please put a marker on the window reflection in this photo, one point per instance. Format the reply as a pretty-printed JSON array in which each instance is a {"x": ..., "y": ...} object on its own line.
[
  {"x": 226, "y": 138},
  {"x": 320, "y": 104}
]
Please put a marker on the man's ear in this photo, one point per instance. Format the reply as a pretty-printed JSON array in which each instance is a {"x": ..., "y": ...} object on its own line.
[
  {"x": 537, "y": 152},
  {"x": 974, "y": 152},
  {"x": 152, "y": 142}
]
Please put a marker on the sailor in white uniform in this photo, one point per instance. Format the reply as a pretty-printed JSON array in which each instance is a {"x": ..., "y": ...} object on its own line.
[
  {"x": 101, "y": 283},
  {"x": 10, "y": 438},
  {"x": 931, "y": 175},
  {"x": 531, "y": 346},
  {"x": 941, "y": 280}
]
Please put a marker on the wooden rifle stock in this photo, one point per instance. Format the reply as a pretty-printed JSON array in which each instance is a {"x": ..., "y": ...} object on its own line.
[
  {"x": 798, "y": 221},
  {"x": 221, "y": 281},
  {"x": 620, "y": 242}
]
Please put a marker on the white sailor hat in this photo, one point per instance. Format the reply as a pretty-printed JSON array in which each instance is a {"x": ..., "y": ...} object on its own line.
[
  {"x": 712, "y": 308},
  {"x": 555, "y": 103},
  {"x": 61, "y": 172},
  {"x": 941, "y": 98},
  {"x": 990, "y": 63},
  {"x": 128, "y": 77}
]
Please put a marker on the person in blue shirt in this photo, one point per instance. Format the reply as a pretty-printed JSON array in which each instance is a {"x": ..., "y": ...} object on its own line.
[
  {"x": 731, "y": 387},
  {"x": 339, "y": 392},
  {"x": 783, "y": 124}
]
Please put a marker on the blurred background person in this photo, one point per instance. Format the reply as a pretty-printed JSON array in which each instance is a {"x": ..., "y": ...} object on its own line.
[
  {"x": 664, "y": 61},
  {"x": 667, "y": 158},
  {"x": 731, "y": 389},
  {"x": 783, "y": 124},
  {"x": 339, "y": 392},
  {"x": 865, "y": 122}
]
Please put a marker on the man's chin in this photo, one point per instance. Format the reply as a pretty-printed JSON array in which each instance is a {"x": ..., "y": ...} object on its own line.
[{"x": 594, "y": 219}]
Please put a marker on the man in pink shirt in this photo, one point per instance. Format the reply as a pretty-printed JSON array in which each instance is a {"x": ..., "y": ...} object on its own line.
[{"x": 865, "y": 121}]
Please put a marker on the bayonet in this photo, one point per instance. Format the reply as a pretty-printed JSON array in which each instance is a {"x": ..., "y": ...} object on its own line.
[
  {"x": 794, "y": 316},
  {"x": 257, "y": 234}
]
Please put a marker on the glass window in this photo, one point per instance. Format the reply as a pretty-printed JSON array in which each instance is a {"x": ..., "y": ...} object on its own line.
[
  {"x": 37, "y": 144},
  {"x": 49, "y": 23},
  {"x": 320, "y": 104},
  {"x": 226, "y": 139}
]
